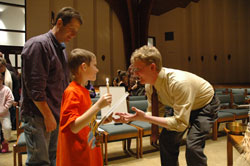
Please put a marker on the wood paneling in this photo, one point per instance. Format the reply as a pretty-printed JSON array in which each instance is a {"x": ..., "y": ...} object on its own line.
[
  {"x": 208, "y": 28},
  {"x": 37, "y": 16}
]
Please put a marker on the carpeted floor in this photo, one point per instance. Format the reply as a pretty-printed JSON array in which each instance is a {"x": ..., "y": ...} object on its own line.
[{"x": 215, "y": 151}]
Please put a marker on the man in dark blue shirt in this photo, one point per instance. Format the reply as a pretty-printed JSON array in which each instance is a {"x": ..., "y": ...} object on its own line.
[{"x": 44, "y": 78}]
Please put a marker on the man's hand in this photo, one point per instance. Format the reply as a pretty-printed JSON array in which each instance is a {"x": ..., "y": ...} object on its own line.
[
  {"x": 49, "y": 119},
  {"x": 50, "y": 123},
  {"x": 126, "y": 117}
]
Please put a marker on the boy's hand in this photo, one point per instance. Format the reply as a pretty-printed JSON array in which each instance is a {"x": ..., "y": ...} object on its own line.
[{"x": 104, "y": 100}]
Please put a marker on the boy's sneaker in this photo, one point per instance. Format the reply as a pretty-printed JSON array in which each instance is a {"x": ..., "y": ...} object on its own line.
[{"x": 5, "y": 147}]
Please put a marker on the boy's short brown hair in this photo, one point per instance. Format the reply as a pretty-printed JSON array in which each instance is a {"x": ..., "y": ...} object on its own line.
[
  {"x": 148, "y": 55},
  {"x": 77, "y": 57}
]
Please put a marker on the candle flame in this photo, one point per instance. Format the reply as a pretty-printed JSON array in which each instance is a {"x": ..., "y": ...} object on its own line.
[{"x": 107, "y": 80}]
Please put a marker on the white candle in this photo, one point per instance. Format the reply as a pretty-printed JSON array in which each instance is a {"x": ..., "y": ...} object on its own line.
[{"x": 107, "y": 84}]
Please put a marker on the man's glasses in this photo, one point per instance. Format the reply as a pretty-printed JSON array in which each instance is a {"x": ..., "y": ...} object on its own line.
[{"x": 136, "y": 69}]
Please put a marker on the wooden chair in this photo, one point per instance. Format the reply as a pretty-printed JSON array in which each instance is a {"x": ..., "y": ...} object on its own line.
[
  {"x": 248, "y": 95},
  {"x": 118, "y": 132},
  {"x": 121, "y": 132},
  {"x": 225, "y": 104},
  {"x": 238, "y": 91},
  {"x": 222, "y": 117},
  {"x": 144, "y": 127},
  {"x": 239, "y": 113},
  {"x": 19, "y": 147},
  {"x": 221, "y": 91}
]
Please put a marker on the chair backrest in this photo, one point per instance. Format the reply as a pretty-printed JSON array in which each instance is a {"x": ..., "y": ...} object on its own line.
[
  {"x": 238, "y": 91},
  {"x": 248, "y": 91},
  {"x": 140, "y": 104},
  {"x": 134, "y": 98},
  {"x": 225, "y": 100},
  {"x": 239, "y": 99},
  {"x": 221, "y": 90}
]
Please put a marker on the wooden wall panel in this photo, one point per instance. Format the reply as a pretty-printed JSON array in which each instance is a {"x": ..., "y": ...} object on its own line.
[
  {"x": 117, "y": 54},
  {"x": 229, "y": 40},
  {"x": 209, "y": 28},
  {"x": 100, "y": 33},
  {"x": 243, "y": 42},
  {"x": 205, "y": 38},
  {"x": 85, "y": 36},
  {"x": 103, "y": 40},
  {"x": 37, "y": 16}
]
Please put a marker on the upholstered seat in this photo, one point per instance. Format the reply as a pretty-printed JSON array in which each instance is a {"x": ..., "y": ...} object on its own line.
[
  {"x": 237, "y": 112},
  {"x": 119, "y": 132},
  {"x": 240, "y": 114},
  {"x": 113, "y": 129},
  {"x": 225, "y": 103},
  {"x": 222, "y": 114},
  {"x": 145, "y": 125}
]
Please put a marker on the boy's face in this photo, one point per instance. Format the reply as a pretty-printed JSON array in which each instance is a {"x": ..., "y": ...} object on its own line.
[{"x": 92, "y": 70}]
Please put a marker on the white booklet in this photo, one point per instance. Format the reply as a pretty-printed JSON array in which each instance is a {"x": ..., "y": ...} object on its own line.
[
  {"x": 117, "y": 93},
  {"x": 113, "y": 108},
  {"x": 118, "y": 104}
]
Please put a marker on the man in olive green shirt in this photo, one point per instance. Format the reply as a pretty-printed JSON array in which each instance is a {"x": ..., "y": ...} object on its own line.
[{"x": 194, "y": 107}]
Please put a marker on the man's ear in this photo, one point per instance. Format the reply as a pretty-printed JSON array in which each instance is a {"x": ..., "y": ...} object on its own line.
[
  {"x": 59, "y": 23},
  {"x": 153, "y": 67}
]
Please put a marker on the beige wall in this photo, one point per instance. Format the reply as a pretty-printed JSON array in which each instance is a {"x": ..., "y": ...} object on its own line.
[
  {"x": 207, "y": 28},
  {"x": 100, "y": 33},
  {"x": 37, "y": 17}
]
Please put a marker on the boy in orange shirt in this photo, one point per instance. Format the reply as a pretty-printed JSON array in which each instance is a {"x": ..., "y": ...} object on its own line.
[{"x": 76, "y": 113}]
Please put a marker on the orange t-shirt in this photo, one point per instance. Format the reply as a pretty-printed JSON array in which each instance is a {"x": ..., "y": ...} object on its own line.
[{"x": 73, "y": 149}]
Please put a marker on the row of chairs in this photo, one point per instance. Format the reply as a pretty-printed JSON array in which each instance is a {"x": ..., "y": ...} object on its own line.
[
  {"x": 111, "y": 133},
  {"x": 244, "y": 91},
  {"x": 126, "y": 132},
  {"x": 234, "y": 106},
  {"x": 137, "y": 130}
]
